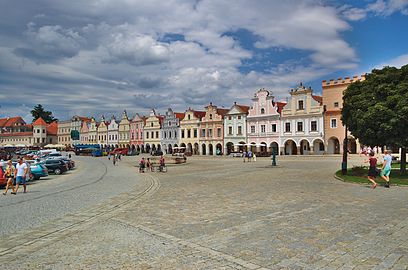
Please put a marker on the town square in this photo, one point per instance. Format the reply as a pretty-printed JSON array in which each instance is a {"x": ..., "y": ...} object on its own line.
[{"x": 203, "y": 134}]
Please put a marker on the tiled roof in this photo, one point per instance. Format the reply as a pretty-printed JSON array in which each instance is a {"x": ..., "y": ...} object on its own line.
[
  {"x": 199, "y": 114},
  {"x": 10, "y": 121},
  {"x": 52, "y": 128},
  {"x": 244, "y": 108},
  {"x": 180, "y": 116},
  {"x": 39, "y": 122},
  {"x": 222, "y": 112},
  {"x": 318, "y": 99},
  {"x": 12, "y": 134}
]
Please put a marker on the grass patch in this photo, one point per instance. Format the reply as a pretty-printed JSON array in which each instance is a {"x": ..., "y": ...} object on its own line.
[{"x": 359, "y": 175}]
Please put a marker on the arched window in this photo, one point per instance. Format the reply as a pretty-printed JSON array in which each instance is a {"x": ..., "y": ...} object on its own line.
[
  {"x": 210, "y": 116},
  {"x": 262, "y": 111}
]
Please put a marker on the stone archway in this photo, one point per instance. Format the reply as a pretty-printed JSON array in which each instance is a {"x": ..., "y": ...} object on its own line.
[
  {"x": 147, "y": 148},
  {"x": 189, "y": 148},
  {"x": 275, "y": 148},
  {"x": 169, "y": 149},
  {"x": 318, "y": 147},
  {"x": 210, "y": 149},
  {"x": 333, "y": 146},
  {"x": 218, "y": 149},
  {"x": 263, "y": 147},
  {"x": 304, "y": 147},
  {"x": 203, "y": 149},
  {"x": 290, "y": 147},
  {"x": 196, "y": 149},
  {"x": 253, "y": 147},
  {"x": 230, "y": 147}
]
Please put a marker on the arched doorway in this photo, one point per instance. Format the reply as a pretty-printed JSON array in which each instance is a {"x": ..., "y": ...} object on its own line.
[
  {"x": 352, "y": 145},
  {"x": 218, "y": 149},
  {"x": 264, "y": 148},
  {"x": 230, "y": 147},
  {"x": 147, "y": 149},
  {"x": 140, "y": 148},
  {"x": 290, "y": 148},
  {"x": 333, "y": 146},
  {"x": 243, "y": 147},
  {"x": 210, "y": 149},
  {"x": 318, "y": 147},
  {"x": 189, "y": 148},
  {"x": 304, "y": 147},
  {"x": 196, "y": 150},
  {"x": 275, "y": 148},
  {"x": 169, "y": 149},
  {"x": 153, "y": 148},
  {"x": 203, "y": 149},
  {"x": 253, "y": 147},
  {"x": 158, "y": 147}
]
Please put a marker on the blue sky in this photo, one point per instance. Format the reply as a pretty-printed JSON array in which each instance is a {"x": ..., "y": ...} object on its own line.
[{"x": 101, "y": 57}]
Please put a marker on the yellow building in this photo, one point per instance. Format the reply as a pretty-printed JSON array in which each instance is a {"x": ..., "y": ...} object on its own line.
[
  {"x": 93, "y": 131},
  {"x": 103, "y": 132},
  {"x": 152, "y": 132},
  {"x": 124, "y": 131},
  {"x": 189, "y": 131}
]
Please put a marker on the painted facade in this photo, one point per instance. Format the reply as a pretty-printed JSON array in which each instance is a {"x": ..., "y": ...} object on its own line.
[
  {"x": 235, "y": 128},
  {"x": 136, "y": 133},
  {"x": 64, "y": 133},
  {"x": 76, "y": 124},
  {"x": 84, "y": 134},
  {"x": 103, "y": 132},
  {"x": 124, "y": 131},
  {"x": 263, "y": 123},
  {"x": 113, "y": 133},
  {"x": 189, "y": 131},
  {"x": 93, "y": 131},
  {"x": 152, "y": 138},
  {"x": 211, "y": 134},
  {"x": 302, "y": 124},
  {"x": 333, "y": 104},
  {"x": 170, "y": 133}
]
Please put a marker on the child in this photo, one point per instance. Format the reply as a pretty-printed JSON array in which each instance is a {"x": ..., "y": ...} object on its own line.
[{"x": 142, "y": 165}]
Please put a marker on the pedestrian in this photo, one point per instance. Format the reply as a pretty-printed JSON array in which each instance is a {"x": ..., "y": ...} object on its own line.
[
  {"x": 244, "y": 155},
  {"x": 372, "y": 171},
  {"x": 69, "y": 155},
  {"x": 9, "y": 174},
  {"x": 149, "y": 165},
  {"x": 162, "y": 163},
  {"x": 21, "y": 169},
  {"x": 114, "y": 160},
  {"x": 249, "y": 155},
  {"x": 254, "y": 157},
  {"x": 386, "y": 168},
  {"x": 29, "y": 174},
  {"x": 109, "y": 156},
  {"x": 120, "y": 157},
  {"x": 142, "y": 165}
]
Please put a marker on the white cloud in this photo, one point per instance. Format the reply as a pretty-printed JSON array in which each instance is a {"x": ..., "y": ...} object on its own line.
[
  {"x": 386, "y": 8},
  {"x": 395, "y": 62}
]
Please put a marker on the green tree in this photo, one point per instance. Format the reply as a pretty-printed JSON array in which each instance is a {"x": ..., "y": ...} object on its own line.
[
  {"x": 376, "y": 110},
  {"x": 39, "y": 111}
]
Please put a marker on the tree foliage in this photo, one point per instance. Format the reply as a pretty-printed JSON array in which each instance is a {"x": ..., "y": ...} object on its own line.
[
  {"x": 376, "y": 110},
  {"x": 39, "y": 111}
]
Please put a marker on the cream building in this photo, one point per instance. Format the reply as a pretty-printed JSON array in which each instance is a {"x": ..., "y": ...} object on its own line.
[
  {"x": 64, "y": 133},
  {"x": 189, "y": 131},
  {"x": 103, "y": 132},
  {"x": 152, "y": 138},
  {"x": 124, "y": 131},
  {"x": 93, "y": 131}
]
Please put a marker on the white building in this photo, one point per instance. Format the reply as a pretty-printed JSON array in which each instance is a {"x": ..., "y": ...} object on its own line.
[
  {"x": 302, "y": 123},
  {"x": 113, "y": 133}
]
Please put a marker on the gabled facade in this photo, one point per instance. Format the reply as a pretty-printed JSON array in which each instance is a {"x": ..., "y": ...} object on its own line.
[
  {"x": 113, "y": 133},
  {"x": 170, "y": 132},
  {"x": 211, "y": 136},
  {"x": 302, "y": 128},
  {"x": 93, "y": 131},
  {"x": 189, "y": 131},
  {"x": 263, "y": 123},
  {"x": 235, "y": 128},
  {"x": 84, "y": 133},
  {"x": 124, "y": 131},
  {"x": 136, "y": 133},
  {"x": 103, "y": 132},
  {"x": 152, "y": 138},
  {"x": 64, "y": 133},
  {"x": 76, "y": 125}
]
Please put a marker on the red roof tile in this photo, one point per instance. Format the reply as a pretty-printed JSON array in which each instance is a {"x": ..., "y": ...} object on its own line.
[
  {"x": 199, "y": 114},
  {"x": 180, "y": 116},
  {"x": 39, "y": 122},
  {"x": 244, "y": 108},
  {"x": 222, "y": 112},
  {"x": 10, "y": 121},
  {"x": 11, "y": 134},
  {"x": 52, "y": 128},
  {"x": 318, "y": 99}
]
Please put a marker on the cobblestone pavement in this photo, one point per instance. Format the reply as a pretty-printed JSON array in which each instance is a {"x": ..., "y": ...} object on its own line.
[{"x": 220, "y": 213}]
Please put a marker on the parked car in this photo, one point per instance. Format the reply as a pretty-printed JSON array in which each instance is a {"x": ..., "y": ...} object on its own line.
[
  {"x": 157, "y": 153},
  {"x": 236, "y": 154},
  {"x": 56, "y": 166},
  {"x": 3, "y": 180},
  {"x": 38, "y": 170}
]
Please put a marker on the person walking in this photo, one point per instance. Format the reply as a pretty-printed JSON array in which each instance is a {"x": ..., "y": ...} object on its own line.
[
  {"x": 162, "y": 163},
  {"x": 109, "y": 156},
  {"x": 244, "y": 155},
  {"x": 114, "y": 160},
  {"x": 21, "y": 169},
  {"x": 249, "y": 155},
  {"x": 9, "y": 174},
  {"x": 386, "y": 168},
  {"x": 372, "y": 171},
  {"x": 254, "y": 157},
  {"x": 149, "y": 165},
  {"x": 142, "y": 165}
]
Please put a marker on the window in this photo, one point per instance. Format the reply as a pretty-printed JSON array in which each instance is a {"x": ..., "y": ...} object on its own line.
[
  {"x": 165, "y": 135},
  {"x": 152, "y": 134},
  {"x": 229, "y": 130},
  {"x": 151, "y": 124},
  {"x": 262, "y": 128},
  {"x": 219, "y": 132},
  {"x": 157, "y": 134},
  {"x": 300, "y": 105},
  {"x": 147, "y": 135},
  {"x": 209, "y": 132},
  {"x": 229, "y": 117},
  {"x": 333, "y": 123},
  {"x": 273, "y": 127},
  {"x": 175, "y": 134},
  {"x": 210, "y": 116},
  {"x": 169, "y": 124},
  {"x": 313, "y": 126},
  {"x": 182, "y": 133},
  {"x": 188, "y": 133},
  {"x": 262, "y": 111},
  {"x": 336, "y": 104},
  {"x": 252, "y": 129},
  {"x": 203, "y": 133},
  {"x": 239, "y": 130},
  {"x": 239, "y": 117},
  {"x": 188, "y": 117},
  {"x": 195, "y": 133},
  {"x": 38, "y": 131},
  {"x": 299, "y": 126},
  {"x": 287, "y": 127}
]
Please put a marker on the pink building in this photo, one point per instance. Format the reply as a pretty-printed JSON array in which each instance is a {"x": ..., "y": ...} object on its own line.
[
  {"x": 263, "y": 123},
  {"x": 136, "y": 132}
]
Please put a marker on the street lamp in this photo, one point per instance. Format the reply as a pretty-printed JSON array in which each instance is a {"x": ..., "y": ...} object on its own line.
[{"x": 345, "y": 147}]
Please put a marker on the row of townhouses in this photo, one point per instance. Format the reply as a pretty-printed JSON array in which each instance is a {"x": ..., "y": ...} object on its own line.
[{"x": 304, "y": 124}]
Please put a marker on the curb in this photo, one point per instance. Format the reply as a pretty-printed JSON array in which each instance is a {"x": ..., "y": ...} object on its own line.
[{"x": 360, "y": 184}]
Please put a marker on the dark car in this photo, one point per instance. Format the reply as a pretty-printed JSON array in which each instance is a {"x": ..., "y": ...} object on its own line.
[
  {"x": 56, "y": 166},
  {"x": 157, "y": 153}
]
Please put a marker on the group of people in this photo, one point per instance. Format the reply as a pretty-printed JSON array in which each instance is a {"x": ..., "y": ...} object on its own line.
[
  {"x": 148, "y": 164},
  {"x": 249, "y": 156},
  {"x": 115, "y": 158},
  {"x": 384, "y": 172},
  {"x": 16, "y": 176}
]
